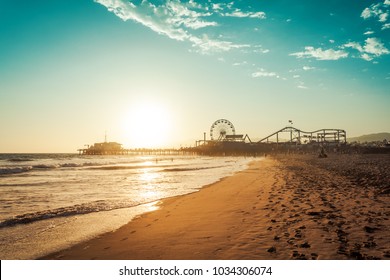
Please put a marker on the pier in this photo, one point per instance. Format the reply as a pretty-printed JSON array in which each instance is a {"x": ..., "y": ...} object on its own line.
[
  {"x": 224, "y": 141},
  {"x": 138, "y": 152}
]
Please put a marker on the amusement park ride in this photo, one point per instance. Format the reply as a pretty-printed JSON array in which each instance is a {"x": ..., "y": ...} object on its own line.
[
  {"x": 223, "y": 139},
  {"x": 223, "y": 130}
]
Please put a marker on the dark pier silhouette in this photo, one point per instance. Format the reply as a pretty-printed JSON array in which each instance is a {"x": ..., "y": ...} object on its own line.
[{"x": 225, "y": 142}]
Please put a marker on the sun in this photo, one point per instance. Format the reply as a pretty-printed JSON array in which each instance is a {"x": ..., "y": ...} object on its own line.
[{"x": 147, "y": 125}]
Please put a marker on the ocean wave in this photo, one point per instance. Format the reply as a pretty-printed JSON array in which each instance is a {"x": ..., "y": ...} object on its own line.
[
  {"x": 10, "y": 170},
  {"x": 20, "y": 159},
  {"x": 190, "y": 168},
  {"x": 74, "y": 210},
  {"x": 119, "y": 167},
  {"x": 45, "y": 166},
  {"x": 14, "y": 170},
  {"x": 39, "y": 184}
]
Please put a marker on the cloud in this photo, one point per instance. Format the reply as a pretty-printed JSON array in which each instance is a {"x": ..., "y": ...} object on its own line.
[
  {"x": 126, "y": 10},
  {"x": 372, "y": 47},
  {"x": 263, "y": 73},
  {"x": 300, "y": 84},
  {"x": 383, "y": 17},
  {"x": 259, "y": 49},
  {"x": 369, "y": 32},
  {"x": 173, "y": 19},
  {"x": 379, "y": 11},
  {"x": 181, "y": 15},
  {"x": 320, "y": 54},
  {"x": 354, "y": 45},
  {"x": 217, "y": 6},
  {"x": 240, "y": 63},
  {"x": 207, "y": 45},
  {"x": 307, "y": 68},
  {"x": 366, "y": 13},
  {"x": 240, "y": 14},
  {"x": 227, "y": 10},
  {"x": 375, "y": 46},
  {"x": 386, "y": 26}
]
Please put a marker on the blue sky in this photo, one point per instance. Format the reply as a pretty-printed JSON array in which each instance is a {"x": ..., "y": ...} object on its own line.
[{"x": 159, "y": 73}]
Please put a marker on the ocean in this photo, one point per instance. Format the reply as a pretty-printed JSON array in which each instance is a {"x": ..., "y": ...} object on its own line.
[{"x": 51, "y": 201}]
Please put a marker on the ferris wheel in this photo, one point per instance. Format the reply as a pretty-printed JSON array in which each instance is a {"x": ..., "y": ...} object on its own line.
[{"x": 220, "y": 128}]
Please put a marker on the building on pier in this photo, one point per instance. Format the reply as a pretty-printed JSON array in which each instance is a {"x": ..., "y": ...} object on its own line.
[{"x": 104, "y": 148}]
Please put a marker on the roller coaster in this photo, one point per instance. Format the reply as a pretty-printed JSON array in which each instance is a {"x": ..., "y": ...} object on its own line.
[
  {"x": 298, "y": 136},
  {"x": 225, "y": 141},
  {"x": 223, "y": 138}
]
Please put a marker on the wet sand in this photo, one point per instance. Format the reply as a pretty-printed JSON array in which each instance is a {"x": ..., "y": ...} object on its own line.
[{"x": 285, "y": 207}]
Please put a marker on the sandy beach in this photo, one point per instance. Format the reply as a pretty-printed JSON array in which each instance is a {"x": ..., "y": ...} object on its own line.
[{"x": 282, "y": 207}]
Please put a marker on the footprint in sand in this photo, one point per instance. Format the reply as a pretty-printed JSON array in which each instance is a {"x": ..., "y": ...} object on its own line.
[
  {"x": 314, "y": 256},
  {"x": 369, "y": 229},
  {"x": 305, "y": 245},
  {"x": 386, "y": 254},
  {"x": 272, "y": 249},
  {"x": 298, "y": 256}
]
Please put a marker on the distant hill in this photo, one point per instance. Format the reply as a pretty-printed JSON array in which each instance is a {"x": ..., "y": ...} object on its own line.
[{"x": 371, "y": 137}]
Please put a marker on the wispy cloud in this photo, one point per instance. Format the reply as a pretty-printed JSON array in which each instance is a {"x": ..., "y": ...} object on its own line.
[
  {"x": 240, "y": 14},
  {"x": 228, "y": 10},
  {"x": 217, "y": 6},
  {"x": 259, "y": 49},
  {"x": 205, "y": 44},
  {"x": 240, "y": 63},
  {"x": 175, "y": 20},
  {"x": 386, "y": 26},
  {"x": 263, "y": 73},
  {"x": 371, "y": 48},
  {"x": 379, "y": 11},
  {"x": 302, "y": 86},
  {"x": 369, "y": 32},
  {"x": 148, "y": 15},
  {"x": 307, "y": 68},
  {"x": 179, "y": 14},
  {"x": 320, "y": 54}
]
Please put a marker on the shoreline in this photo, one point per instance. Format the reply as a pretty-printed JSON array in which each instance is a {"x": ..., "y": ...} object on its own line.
[
  {"x": 53, "y": 208},
  {"x": 164, "y": 221},
  {"x": 278, "y": 208}
]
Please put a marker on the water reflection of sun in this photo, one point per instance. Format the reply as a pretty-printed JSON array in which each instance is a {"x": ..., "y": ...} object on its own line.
[
  {"x": 149, "y": 179},
  {"x": 148, "y": 176}
]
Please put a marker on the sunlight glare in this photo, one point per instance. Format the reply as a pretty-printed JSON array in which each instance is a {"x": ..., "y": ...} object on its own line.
[{"x": 147, "y": 125}]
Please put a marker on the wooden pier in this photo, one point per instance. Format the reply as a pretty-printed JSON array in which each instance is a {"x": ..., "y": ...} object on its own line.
[{"x": 146, "y": 152}]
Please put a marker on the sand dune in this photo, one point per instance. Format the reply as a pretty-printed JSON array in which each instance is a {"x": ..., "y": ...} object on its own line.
[{"x": 285, "y": 207}]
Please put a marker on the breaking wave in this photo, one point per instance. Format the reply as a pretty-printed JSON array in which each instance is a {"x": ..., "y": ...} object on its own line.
[
  {"x": 74, "y": 210},
  {"x": 14, "y": 170},
  {"x": 190, "y": 168},
  {"x": 9, "y": 170}
]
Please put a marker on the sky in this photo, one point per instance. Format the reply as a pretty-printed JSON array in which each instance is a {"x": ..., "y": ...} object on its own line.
[{"x": 160, "y": 73}]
